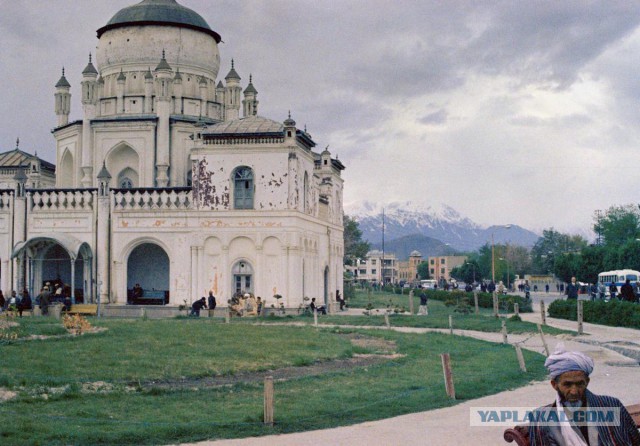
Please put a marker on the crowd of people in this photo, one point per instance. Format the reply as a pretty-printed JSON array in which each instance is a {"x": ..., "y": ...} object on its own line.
[{"x": 21, "y": 302}]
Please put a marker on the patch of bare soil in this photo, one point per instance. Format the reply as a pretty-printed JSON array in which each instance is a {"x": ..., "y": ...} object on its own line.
[
  {"x": 6, "y": 395},
  {"x": 385, "y": 351}
]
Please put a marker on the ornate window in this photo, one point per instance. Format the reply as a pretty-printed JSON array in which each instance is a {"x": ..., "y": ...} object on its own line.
[
  {"x": 243, "y": 188},
  {"x": 126, "y": 183}
]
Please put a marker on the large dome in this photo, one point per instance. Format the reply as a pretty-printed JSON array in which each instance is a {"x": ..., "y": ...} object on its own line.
[{"x": 159, "y": 12}]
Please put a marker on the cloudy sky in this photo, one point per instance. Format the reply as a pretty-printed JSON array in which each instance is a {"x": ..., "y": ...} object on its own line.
[{"x": 508, "y": 111}]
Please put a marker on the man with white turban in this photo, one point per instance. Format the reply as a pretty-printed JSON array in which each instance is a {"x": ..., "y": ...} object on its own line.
[{"x": 555, "y": 424}]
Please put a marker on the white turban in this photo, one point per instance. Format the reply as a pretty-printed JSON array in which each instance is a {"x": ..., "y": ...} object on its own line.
[{"x": 562, "y": 361}]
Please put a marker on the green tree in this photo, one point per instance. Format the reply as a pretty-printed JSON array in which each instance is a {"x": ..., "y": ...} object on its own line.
[
  {"x": 467, "y": 272},
  {"x": 423, "y": 270},
  {"x": 354, "y": 246},
  {"x": 619, "y": 225},
  {"x": 549, "y": 249}
]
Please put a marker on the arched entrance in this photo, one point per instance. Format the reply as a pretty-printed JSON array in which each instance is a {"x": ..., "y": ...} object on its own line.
[
  {"x": 148, "y": 266},
  {"x": 58, "y": 259},
  {"x": 242, "y": 273}
]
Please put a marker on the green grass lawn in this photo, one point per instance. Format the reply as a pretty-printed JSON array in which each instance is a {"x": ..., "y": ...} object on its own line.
[
  {"x": 51, "y": 407},
  {"x": 438, "y": 316}
]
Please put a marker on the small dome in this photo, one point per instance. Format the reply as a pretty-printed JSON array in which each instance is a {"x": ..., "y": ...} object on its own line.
[
  {"x": 159, "y": 12},
  {"x": 90, "y": 69},
  {"x": 248, "y": 125},
  {"x": 415, "y": 254}
]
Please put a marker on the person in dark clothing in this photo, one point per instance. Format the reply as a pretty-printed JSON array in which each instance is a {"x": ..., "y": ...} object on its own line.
[
  {"x": 25, "y": 303},
  {"x": 613, "y": 290},
  {"x": 2, "y": 301},
  {"x": 423, "y": 310},
  {"x": 627, "y": 293},
  {"x": 197, "y": 306},
  {"x": 340, "y": 300},
  {"x": 211, "y": 300},
  {"x": 314, "y": 307},
  {"x": 572, "y": 289},
  {"x": 44, "y": 299}
]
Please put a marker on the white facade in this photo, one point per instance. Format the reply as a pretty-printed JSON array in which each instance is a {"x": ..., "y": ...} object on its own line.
[
  {"x": 378, "y": 267},
  {"x": 163, "y": 183}
]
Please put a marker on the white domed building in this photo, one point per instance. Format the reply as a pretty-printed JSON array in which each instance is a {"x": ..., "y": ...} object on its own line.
[{"x": 172, "y": 180}]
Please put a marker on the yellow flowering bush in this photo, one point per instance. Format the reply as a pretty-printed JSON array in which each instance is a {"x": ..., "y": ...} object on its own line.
[{"x": 75, "y": 324}]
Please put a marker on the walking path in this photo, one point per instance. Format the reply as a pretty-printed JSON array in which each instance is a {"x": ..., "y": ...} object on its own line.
[{"x": 614, "y": 374}]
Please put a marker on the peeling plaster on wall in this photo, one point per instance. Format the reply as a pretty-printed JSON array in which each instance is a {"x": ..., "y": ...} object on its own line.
[{"x": 205, "y": 190}]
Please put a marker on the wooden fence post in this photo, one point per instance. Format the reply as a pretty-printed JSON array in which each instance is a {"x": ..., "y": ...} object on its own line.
[
  {"x": 504, "y": 333},
  {"x": 580, "y": 316},
  {"x": 386, "y": 320},
  {"x": 543, "y": 313},
  {"x": 268, "y": 400},
  {"x": 495, "y": 304},
  {"x": 315, "y": 317},
  {"x": 475, "y": 300},
  {"x": 544, "y": 341},
  {"x": 516, "y": 309},
  {"x": 448, "y": 375},
  {"x": 450, "y": 324},
  {"x": 520, "y": 356},
  {"x": 227, "y": 315}
]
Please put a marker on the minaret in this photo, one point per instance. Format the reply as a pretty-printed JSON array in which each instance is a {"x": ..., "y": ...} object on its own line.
[
  {"x": 148, "y": 92},
  {"x": 103, "y": 224},
  {"x": 89, "y": 89},
  {"x": 63, "y": 100},
  {"x": 164, "y": 76},
  {"x": 120, "y": 92},
  {"x": 232, "y": 94},
  {"x": 20, "y": 224},
  {"x": 204, "y": 95},
  {"x": 250, "y": 102},
  {"x": 177, "y": 92}
]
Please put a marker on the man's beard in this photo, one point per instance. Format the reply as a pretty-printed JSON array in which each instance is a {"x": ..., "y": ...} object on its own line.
[{"x": 572, "y": 406}]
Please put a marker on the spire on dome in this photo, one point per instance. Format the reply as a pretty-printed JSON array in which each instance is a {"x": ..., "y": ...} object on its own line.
[
  {"x": 233, "y": 74},
  {"x": 90, "y": 69},
  {"x": 18, "y": 143},
  {"x": 121, "y": 76},
  {"x": 289, "y": 122},
  {"x": 163, "y": 65},
  {"x": 63, "y": 82},
  {"x": 250, "y": 88}
]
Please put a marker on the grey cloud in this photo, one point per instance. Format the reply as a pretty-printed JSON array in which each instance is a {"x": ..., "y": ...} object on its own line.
[{"x": 435, "y": 118}]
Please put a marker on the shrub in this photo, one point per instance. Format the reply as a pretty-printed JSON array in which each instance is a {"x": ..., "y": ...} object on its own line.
[
  {"x": 614, "y": 313},
  {"x": 485, "y": 300}
]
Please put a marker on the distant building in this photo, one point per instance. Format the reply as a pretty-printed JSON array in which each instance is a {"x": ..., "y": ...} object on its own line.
[
  {"x": 408, "y": 270},
  {"x": 440, "y": 267},
  {"x": 377, "y": 268},
  {"x": 39, "y": 174}
]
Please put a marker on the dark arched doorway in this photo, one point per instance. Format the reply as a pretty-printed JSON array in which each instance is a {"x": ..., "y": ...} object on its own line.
[{"x": 148, "y": 266}]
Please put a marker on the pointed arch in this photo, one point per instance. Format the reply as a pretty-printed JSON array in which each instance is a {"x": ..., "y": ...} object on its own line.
[
  {"x": 66, "y": 172},
  {"x": 125, "y": 160}
]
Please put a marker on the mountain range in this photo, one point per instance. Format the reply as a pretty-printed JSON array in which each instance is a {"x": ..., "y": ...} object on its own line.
[{"x": 431, "y": 230}]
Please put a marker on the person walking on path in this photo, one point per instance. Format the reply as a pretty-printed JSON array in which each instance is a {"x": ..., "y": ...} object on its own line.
[
  {"x": 627, "y": 293},
  {"x": 572, "y": 289},
  {"x": 424, "y": 309}
]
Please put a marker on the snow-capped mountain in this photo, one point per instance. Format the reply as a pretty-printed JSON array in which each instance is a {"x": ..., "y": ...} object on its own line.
[{"x": 402, "y": 219}]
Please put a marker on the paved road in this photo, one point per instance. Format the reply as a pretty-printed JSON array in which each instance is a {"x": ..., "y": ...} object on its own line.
[{"x": 614, "y": 374}]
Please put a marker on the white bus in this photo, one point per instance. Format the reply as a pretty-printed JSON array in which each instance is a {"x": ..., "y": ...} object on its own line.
[
  {"x": 618, "y": 277},
  {"x": 428, "y": 284}
]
